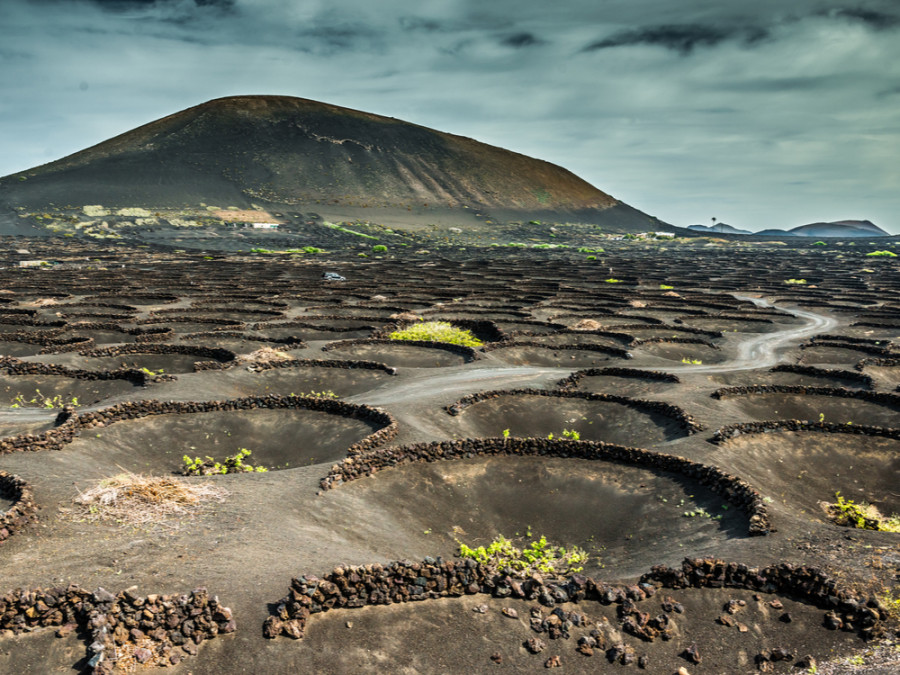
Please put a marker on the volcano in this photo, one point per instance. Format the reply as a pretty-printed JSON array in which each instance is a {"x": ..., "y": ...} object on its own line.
[{"x": 297, "y": 153}]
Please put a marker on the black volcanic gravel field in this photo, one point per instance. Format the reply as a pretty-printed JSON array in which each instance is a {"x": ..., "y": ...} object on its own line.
[{"x": 681, "y": 414}]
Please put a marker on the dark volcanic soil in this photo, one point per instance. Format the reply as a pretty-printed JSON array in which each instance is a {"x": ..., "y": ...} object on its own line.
[{"x": 274, "y": 526}]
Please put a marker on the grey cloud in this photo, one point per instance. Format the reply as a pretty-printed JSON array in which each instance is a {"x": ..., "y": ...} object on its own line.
[
  {"x": 871, "y": 18},
  {"x": 682, "y": 38},
  {"x": 417, "y": 23},
  {"x": 521, "y": 40}
]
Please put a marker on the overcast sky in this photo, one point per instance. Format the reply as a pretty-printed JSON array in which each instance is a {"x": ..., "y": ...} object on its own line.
[{"x": 760, "y": 113}]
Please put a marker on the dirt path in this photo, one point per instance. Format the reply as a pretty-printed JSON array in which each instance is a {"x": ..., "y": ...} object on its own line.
[
  {"x": 761, "y": 351},
  {"x": 757, "y": 351}
]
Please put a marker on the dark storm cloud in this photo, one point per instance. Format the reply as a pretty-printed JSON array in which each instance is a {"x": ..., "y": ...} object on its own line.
[
  {"x": 682, "y": 109},
  {"x": 521, "y": 40},
  {"x": 680, "y": 38},
  {"x": 873, "y": 19}
]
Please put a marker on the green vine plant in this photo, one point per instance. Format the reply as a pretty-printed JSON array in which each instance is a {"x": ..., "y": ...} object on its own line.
[
  {"x": 325, "y": 393},
  {"x": 538, "y": 556},
  {"x": 151, "y": 374},
  {"x": 211, "y": 467},
  {"x": 861, "y": 515},
  {"x": 39, "y": 400}
]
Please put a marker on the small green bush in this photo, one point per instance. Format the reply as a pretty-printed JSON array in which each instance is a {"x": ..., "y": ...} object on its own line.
[
  {"x": 860, "y": 515},
  {"x": 538, "y": 556},
  {"x": 886, "y": 254},
  {"x": 379, "y": 248},
  {"x": 210, "y": 467},
  {"x": 613, "y": 281},
  {"x": 820, "y": 243},
  {"x": 591, "y": 257},
  {"x": 795, "y": 282},
  {"x": 437, "y": 331}
]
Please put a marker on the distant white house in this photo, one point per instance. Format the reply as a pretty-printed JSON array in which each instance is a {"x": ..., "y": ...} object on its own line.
[
  {"x": 665, "y": 234},
  {"x": 264, "y": 226},
  {"x": 34, "y": 263}
]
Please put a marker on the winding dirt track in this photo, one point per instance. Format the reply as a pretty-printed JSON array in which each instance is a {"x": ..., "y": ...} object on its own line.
[
  {"x": 757, "y": 351},
  {"x": 761, "y": 351}
]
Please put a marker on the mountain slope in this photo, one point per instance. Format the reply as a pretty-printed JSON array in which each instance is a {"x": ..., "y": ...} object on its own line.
[
  {"x": 292, "y": 151},
  {"x": 841, "y": 228}
]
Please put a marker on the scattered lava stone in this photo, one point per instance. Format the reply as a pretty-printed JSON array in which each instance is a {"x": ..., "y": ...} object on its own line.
[
  {"x": 692, "y": 653},
  {"x": 553, "y": 662},
  {"x": 497, "y": 657},
  {"x": 535, "y": 645}
]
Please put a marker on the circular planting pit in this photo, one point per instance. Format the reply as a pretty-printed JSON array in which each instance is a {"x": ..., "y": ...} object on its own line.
[
  {"x": 530, "y": 415},
  {"x": 622, "y": 385},
  {"x": 827, "y": 354},
  {"x": 60, "y": 387},
  {"x": 794, "y": 376},
  {"x": 679, "y": 352},
  {"x": 308, "y": 333},
  {"x": 31, "y": 426},
  {"x": 401, "y": 354},
  {"x": 550, "y": 357},
  {"x": 804, "y": 468},
  {"x": 233, "y": 342},
  {"x": 535, "y": 327},
  {"x": 413, "y": 636},
  {"x": 50, "y": 330},
  {"x": 190, "y": 326},
  {"x": 568, "y": 500},
  {"x": 835, "y": 408},
  {"x": 300, "y": 378},
  {"x": 16, "y": 349},
  {"x": 732, "y": 325},
  {"x": 578, "y": 338},
  {"x": 103, "y": 337},
  {"x": 277, "y": 439},
  {"x": 159, "y": 359}
]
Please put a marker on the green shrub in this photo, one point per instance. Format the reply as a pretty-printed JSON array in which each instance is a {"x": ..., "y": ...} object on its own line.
[
  {"x": 886, "y": 254},
  {"x": 664, "y": 287},
  {"x": 613, "y": 281},
  {"x": 820, "y": 243},
  {"x": 860, "y": 515},
  {"x": 591, "y": 257},
  {"x": 379, "y": 248},
  {"x": 437, "y": 331},
  {"x": 795, "y": 282},
  {"x": 39, "y": 400},
  {"x": 538, "y": 556},
  {"x": 210, "y": 467}
]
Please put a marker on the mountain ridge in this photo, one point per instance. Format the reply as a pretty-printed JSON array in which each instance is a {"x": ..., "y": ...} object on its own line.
[{"x": 293, "y": 151}]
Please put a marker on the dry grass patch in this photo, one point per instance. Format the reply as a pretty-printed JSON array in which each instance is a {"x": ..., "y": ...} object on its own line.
[
  {"x": 141, "y": 501},
  {"x": 587, "y": 324},
  {"x": 263, "y": 355}
]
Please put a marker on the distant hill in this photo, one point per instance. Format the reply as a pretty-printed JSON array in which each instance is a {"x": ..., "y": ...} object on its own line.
[
  {"x": 776, "y": 233},
  {"x": 301, "y": 154},
  {"x": 840, "y": 228},
  {"x": 722, "y": 228}
]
